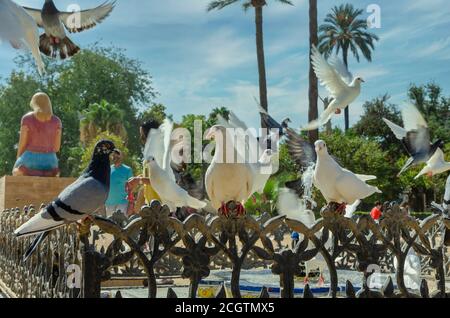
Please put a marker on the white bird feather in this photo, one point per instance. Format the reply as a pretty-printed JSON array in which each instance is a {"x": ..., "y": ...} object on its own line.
[
  {"x": 20, "y": 29},
  {"x": 436, "y": 165}
]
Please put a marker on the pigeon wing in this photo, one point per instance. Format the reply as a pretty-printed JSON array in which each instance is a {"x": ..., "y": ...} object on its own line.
[
  {"x": 86, "y": 196},
  {"x": 341, "y": 69},
  {"x": 302, "y": 151},
  {"x": 36, "y": 15},
  {"x": 327, "y": 74},
  {"x": 158, "y": 146},
  {"x": 412, "y": 118},
  {"x": 398, "y": 131},
  {"x": 18, "y": 27},
  {"x": 86, "y": 19}
]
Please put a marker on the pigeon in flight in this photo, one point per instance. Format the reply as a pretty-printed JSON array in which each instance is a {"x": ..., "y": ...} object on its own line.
[
  {"x": 157, "y": 155},
  {"x": 436, "y": 165},
  {"x": 343, "y": 87},
  {"x": 18, "y": 28},
  {"x": 78, "y": 201},
  {"x": 415, "y": 137},
  {"x": 55, "y": 23},
  {"x": 271, "y": 123}
]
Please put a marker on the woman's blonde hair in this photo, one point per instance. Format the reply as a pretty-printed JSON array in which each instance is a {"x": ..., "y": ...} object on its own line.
[{"x": 41, "y": 103}]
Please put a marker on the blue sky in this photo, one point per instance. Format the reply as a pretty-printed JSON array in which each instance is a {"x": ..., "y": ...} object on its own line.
[{"x": 201, "y": 60}]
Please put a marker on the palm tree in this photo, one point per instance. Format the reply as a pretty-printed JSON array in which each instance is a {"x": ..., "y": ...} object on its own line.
[
  {"x": 101, "y": 117},
  {"x": 343, "y": 30},
  {"x": 258, "y": 6},
  {"x": 313, "y": 83}
]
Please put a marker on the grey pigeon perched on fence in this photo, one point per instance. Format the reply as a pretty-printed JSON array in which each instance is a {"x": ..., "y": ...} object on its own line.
[
  {"x": 55, "y": 23},
  {"x": 79, "y": 200}
]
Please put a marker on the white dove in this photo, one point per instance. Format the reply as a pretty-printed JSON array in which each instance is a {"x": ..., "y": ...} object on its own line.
[
  {"x": 343, "y": 88},
  {"x": 436, "y": 165},
  {"x": 264, "y": 162},
  {"x": 171, "y": 194},
  {"x": 337, "y": 184},
  {"x": 227, "y": 181},
  {"x": 20, "y": 29},
  {"x": 157, "y": 155}
]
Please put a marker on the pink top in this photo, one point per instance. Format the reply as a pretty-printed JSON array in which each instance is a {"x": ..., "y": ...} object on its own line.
[{"x": 41, "y": 135}]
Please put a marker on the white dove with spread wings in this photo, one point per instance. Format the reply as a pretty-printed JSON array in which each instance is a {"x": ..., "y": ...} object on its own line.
[{"x": 344, "y": 89}]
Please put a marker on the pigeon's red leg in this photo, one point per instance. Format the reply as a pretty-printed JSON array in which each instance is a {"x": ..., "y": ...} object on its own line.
[
  {"x": 321, "y": 281},
  {"x": 240, "y": 208},
  {"x": 341, "y": 208},
  {"x": 306, "y": 280},
  {"x": 224, "y": 209},
  {"x": 430, "y": 174}
]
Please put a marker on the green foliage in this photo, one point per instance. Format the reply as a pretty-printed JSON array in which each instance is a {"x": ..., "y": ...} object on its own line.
[
  {"x": 344, "y": 30},
  {"x": 99, "y": 117},
  {"x": 155, "y": 112},
  {"x": 372, "y": 126},
  {"x": 86, "y": 153},
  {"x": 89, "y": 77}
]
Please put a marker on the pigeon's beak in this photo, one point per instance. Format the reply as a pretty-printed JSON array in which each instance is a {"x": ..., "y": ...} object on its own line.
[{"x": 363, "y": 80}]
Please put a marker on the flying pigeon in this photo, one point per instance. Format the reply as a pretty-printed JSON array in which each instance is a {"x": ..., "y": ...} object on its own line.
[
  {"x": 157, "y": 155},
  {"x": 55, "y": 23},
  {"x": 415, "y": 137},
  {"x": 19, "y": 28},
  {"x": 79, "y": 200},
  {"x": 436, "y": 165},
  {"x": 227, "y": 181},
  {"x": 343, "y": 87},
  {"x": 271, "y": 123}
]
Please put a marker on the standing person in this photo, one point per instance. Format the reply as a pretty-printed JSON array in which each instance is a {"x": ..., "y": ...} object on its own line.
[
  {"x": 40, "y": 140},
  {"x": 120, "y": 174},
  {"x": 376, "y": 212}
]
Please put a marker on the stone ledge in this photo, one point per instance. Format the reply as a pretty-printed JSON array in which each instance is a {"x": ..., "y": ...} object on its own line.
[{"x": 17, "y": 192}]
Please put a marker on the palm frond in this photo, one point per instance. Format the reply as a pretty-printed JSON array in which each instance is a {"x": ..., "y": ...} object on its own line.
[{"x": 220, "y": 4}]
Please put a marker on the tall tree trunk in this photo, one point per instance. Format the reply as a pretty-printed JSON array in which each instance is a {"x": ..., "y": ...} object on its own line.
[
  {"x": 347, "y": 109},
  {"x": 261, "y": 59},
  {"x": 313, "y": 113}
]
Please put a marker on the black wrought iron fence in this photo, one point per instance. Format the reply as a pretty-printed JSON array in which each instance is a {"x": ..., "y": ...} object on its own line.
[{"x": 74, "y": 262}]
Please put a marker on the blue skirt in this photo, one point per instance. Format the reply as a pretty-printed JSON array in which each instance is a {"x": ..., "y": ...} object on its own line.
[{"x": 37, "y": 161}]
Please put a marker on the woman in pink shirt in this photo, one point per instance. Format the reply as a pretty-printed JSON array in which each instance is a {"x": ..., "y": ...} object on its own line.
[{"x": 40, "y": 140}]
